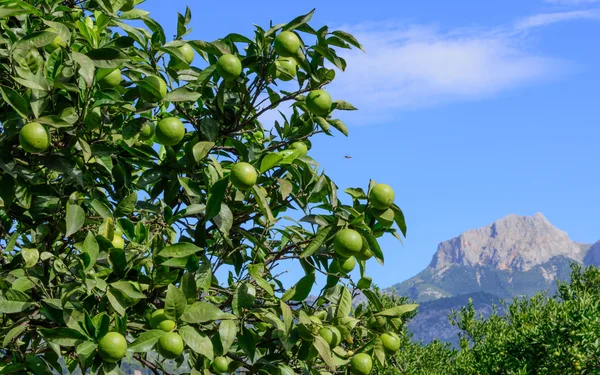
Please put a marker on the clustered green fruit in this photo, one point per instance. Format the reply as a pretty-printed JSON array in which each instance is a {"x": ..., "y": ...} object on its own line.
[
  {"x": 390, "y": 341},
  {"x": 300, "y": 147},
  {"x": 220, "y": 365},
  {"x": 331, "y": 335},
  {"x": 229, "y": 67},
  {"x": 112, "y": 347},
  {"x": 170, "y": 345},
  {"x": 34, "y": 138},
  {"x": 112, "y": 79},
  {"x": 347, "y": 242},
  {"x": 158, "y": 320},
  {"x": 287, "y": 44},
  {"x": 319, "y": 102},
  {"x": 147, "y": 131},
  {"x": 284, "y": 68},
  {"x": 170, "y": 131},
  {"x": 381, "y": 196},
  {"x": 157, "y": 90},
  {"x": 361, "y": 364},
  {"x": 243, "y": 175}
]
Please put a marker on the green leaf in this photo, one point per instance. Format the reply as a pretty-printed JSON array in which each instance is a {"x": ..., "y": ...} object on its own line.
[
  {"x": 317, "y": 242},
  {"x": 227, "y": 334},
  {"x": 107, "y": 57},
  {"x": 101, "y": 209},
  {"x": 86, "y": 67},
  {"x": 209, "y": 129},
  {"x": 36, "y": 39},
  {"x": 269, "y": 161},
  {"x": 201, "y": 149},
  {"x": 288, "y": 317},
  {"x": 243, "y": 297},
  {"x": 379, "y": 351},
  {"x": 179, "y": 250},
  {"x": 182, "y": 94},
  {"x": 398, "y": 311},
  {"x": 344, "y": 306},
  {"x": 127, "y": 205},
  {"x": 344, "y": 106},
  {"x": 263, "y": 204},
  {"x": 91, "y": 248},
  {"x": 35, "y": 364},
  {"x": 203, "y": 312},
  {"x": 348, "y": 38},
  {"x": 15, "y": 100},
  {"x": 399, "y": 219},
  {"x": 298, "y": 21},
  {"x": 175, "y": 303},
  {"x": 12, "y": 334},
  {"x": 85, "y": 351},
  {"x": 323, "y": 349},
  {"x": 224, "y": 220},
  {"x": 198, "y": 342},
  {"x": 339, "y": 125},
  {"x": 61, "y": 336},
  {"x": 302, "y": 288},
  {"x": 30, "y": 256},
  {"x": 128, "y": 289},
  {"x": 146, "y": 341},
  {"x": 373, "y": 245},
  {"x": 356, "y": 193},
  {"x": 364, "y": 283},
  {"x": 215, "y": 198},
  {"x": 75, "y": 218}
]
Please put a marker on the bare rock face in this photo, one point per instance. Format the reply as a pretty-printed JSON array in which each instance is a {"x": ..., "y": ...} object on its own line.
[
  {"x": 514, "y": 243},
  {"x": 592, "y": 258}
]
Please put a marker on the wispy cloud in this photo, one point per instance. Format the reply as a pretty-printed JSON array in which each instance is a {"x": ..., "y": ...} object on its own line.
[
  {"x": 572, "y": 2},
  {"x": 545, "y": 19},
  {"x": 416, "y": 66}
]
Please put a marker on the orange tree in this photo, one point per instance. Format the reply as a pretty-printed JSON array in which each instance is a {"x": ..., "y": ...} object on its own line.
[{"x": 135, "y": 172}]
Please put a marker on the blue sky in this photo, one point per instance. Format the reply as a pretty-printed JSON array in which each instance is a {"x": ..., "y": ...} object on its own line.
[{"x": 470, "y": 109}]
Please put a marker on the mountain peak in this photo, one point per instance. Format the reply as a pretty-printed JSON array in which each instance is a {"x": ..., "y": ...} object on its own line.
[{"x": 513, "y": 242}]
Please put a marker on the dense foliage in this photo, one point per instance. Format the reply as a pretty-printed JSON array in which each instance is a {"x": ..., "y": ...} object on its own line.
[
  {"x": 144, "y": 208},
  {"x": 539, "y": 335}
]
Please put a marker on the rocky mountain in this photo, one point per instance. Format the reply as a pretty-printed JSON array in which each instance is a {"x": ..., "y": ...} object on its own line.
[{"x": 513, "y": 257}]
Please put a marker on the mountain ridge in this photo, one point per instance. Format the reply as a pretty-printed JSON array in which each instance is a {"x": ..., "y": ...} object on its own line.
[{"x": 515, "y": 256}]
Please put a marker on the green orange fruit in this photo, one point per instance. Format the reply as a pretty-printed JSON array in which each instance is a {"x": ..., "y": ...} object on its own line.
[
  {"x": 220, "y": 365},
  {"x": 147, "y": 131},
  {"x": 170, "y": 131},
  {"x": 56, "y": 42},
  {"x": 155, "y": 92},
  {"x": 361, "y": 364},
  {"x": 118, "y": 242},
  {"x": 112, "y": 79},
  {"x": 319, "y": 102},
  {"x": 34, "y": 138},
  {"x": 158, "y": 320},
  {"x": 300, "y": 147},
  {"x": 391, "y": 342},
  {"x": 243, "y": 176},
  {"x": 381, "y": 196},
  {"x": 365, "y": 253},
  {"x": 331, "y": 335},
  {"x": 284, "y": 68},
  {"x": 170, "y": 345},
  {"x": 347, "y": 265},
  {"x": 347, "y": 242},
  {"x": 188, "y": 53},
  {"x": 287, "y": 44},
  {"x": 229, "y": 67},
  {"x": 112, "y": 347}
]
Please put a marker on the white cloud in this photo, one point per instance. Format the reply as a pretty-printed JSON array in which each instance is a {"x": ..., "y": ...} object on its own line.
[
  {"x": 408, "y": 67},
  {"x": 572, "y": 2},
  {"x": 545, "y": 19}
]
